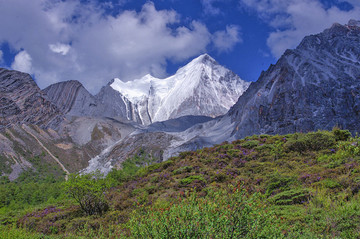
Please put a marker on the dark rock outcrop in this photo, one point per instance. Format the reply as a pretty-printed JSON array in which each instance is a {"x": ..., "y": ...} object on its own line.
[{"x": 22, "y": 102}]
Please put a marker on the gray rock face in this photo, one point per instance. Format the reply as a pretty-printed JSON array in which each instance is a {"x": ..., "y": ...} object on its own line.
[
  {"x": 71, "y": 98},
  {"x": 113, "y": 104},
  {"x": 21, "y": 101},
  {"x": 315, "y": 86}
]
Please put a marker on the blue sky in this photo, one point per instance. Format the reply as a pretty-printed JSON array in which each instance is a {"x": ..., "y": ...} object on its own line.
[{"x": 94, "y": 41}]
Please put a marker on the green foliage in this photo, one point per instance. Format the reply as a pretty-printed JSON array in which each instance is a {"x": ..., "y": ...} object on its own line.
[
  {"x": 190, "y": 179},
  {"x": 348, "y": 149},
  {"x": 221, "y": 214},
  {"x": 293, "y": 186},
  {"x": 330, "y": 183},
  {"x": 250, "y": 144},
  {"x": 278, "y": 182},
  {"x": 292, "y": 196},
  {"x": 116, "y": 177},
  {"x": 185, "y": 154},
  {"x": 311, "y": 141},
  {"x": 89, "y": 191},
  {"x": 23, "y": 193},
  {"x": 186, "y": 169},
  {"x": 219, "y": 177},
  {"x": 341, "y": 135},
  {"x": 11, "y": 232}
]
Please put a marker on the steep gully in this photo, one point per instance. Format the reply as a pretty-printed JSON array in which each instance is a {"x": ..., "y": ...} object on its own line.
[{"x": 24, "y": 127}]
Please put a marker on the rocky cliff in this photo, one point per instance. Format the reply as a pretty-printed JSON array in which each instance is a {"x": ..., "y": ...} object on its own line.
[
  {"x": 315, "y": 86},
  {"x": 71, "y": 98},
  {"x": 21, "y": 101}
]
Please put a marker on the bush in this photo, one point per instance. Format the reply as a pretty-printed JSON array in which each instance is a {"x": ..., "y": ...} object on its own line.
[
  {"x": 278, "y": 182},
  {"x": 330, "y": 183},
  {"x": 292, "y": 196},
  {"x": 311, "y": 141},
  {"x": 341, "y": 135},
  {"x": 89, "y": 191},
  {"x": 186, "y": 169},
  {"x": 221, "y": 214},
  {"x": 250, "y": 144},
  {"x": 188, "y": 180}
]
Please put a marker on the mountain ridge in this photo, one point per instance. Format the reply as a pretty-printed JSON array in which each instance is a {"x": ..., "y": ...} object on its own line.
[
  {"x": 202, "y": 87},
  {"x": 22, "y": 101}
]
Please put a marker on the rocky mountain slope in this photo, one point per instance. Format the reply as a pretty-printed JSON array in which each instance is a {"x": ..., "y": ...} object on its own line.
[
  {"x": 46, "y": 151},
  {"x": 21, "y": 101},
  {"x": 71, "y": 98},
  {"x": 315, "y": 86}
]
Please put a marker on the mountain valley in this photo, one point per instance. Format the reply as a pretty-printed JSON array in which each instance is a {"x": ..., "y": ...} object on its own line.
[{"x": 315, "y": 86}]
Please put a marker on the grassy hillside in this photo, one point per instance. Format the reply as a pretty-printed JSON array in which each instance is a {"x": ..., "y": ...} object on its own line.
[{"x": 291, "y": 186}]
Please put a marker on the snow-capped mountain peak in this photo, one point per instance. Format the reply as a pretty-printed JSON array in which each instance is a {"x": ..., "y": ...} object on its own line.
[
  {"x": 133, "y": 90},
  {"x": 202, "y": 87}
]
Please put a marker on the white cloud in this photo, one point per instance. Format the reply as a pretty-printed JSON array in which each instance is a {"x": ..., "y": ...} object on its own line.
[
  {"x": 1, "y": 57},
  {"x": 94, "y": 47},
  {"x": 292, "y": 20},
  {"x": 225, "y": 41},
  {"x": 209, "y": 7},
  {"x": 62, "y": 49},
  {"x": 22, "y": 62},
  {"x": 352, "y": 2}
]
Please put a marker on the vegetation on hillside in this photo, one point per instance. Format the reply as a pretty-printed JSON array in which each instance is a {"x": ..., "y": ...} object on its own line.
[{"x": 291, "y": 186}]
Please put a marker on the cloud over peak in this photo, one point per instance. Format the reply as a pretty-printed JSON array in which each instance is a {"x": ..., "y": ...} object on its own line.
[
  {"x": 225, "y": 40},
  {"x": 22, "y": 62},
  {"x": 292, "y": 20},
  {"x": 63, "y": 40}
]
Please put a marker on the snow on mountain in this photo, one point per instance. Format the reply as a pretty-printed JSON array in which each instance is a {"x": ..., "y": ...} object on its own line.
[{"x": 202, "y": 87}]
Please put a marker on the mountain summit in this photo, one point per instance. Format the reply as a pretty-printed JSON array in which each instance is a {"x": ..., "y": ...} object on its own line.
[
  {"x": 202, "y": 87},
  {"x": 315, "y": 86}
]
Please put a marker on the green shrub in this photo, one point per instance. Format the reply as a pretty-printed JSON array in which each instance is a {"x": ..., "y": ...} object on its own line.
[
  {"x": 89, "y": 191},
  {"x": 167, "y": 164},
  {"x": 117, "y": 176},
  {"x": 12, "y": 232},
  {"x": 221, "y": 214},
  {"x": 250, "y": 144},
  {"x": 330, "y": 183},
  {"x": 226, "y": 146},
  {"x": 185, "y": 169},
  {"x": 190, "y": 179},
  {"x": 311, "y": 141},
  {"x": 185, "y": 154},
  {"x": 292, "y": 196},
  {"x": 278, "y": 182},
  {"x": 342, "y": 135},
  {"x": 146, "y": 170},
  {"x": 219, "y": 177}
]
